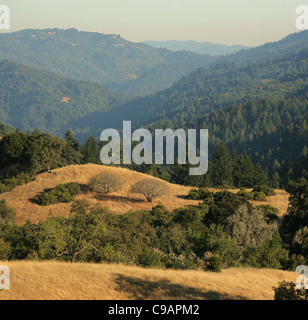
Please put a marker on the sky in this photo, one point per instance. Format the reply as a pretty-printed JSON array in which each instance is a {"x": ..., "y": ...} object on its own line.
[{"x": 245, "y": 22}]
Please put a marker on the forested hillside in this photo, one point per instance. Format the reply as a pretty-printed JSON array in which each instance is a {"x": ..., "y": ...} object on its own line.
[
  {"x": 209, "y": 90},
  {"x": 5, "y": 129},
  {"x": 106, "y": 59},
  {"x": 34, "y": 99}
]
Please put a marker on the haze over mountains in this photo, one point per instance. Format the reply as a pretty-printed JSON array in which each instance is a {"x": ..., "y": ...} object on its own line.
[
  {"x": 219, "y": 95},
  {"x": 197, "y": 47},
  {"x": 132, "y": 68}
]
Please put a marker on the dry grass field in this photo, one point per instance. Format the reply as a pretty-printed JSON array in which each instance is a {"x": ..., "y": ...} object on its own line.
[
  {"x": 21, "y": 198},
  {"x": 61, "y": 281}
]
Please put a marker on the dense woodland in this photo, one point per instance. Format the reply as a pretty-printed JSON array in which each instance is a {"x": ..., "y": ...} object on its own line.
[{"x": 257, "y": 117}]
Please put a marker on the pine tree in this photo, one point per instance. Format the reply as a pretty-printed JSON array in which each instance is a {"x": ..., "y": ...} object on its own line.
[
  {"x": 91, "y": 151},
  {"x": 260, "y": 177},
  {"x": 221, "y": 173},
  {"x": 71, "y": 141},
  {"x": 243, "y": 172}
]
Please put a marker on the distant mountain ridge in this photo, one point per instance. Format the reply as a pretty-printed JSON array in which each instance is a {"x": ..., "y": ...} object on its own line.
[
  {"x": 209, "y": 90},
  {"x": 196, "y": 47},
  {"x": 96, "y": 57}
]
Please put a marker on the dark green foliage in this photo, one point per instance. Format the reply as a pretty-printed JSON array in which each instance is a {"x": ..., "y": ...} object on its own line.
[
  {"x": 288, "y": 291},
  {"x": 297, "y": 216},
  {"x": 7, "y": 214},
  {"x": 148, "y": 258},
  {"x": 245, "y": 194},
  {"x": 259, "y": 196},
  {"x": 5, "y": 129},
  {"x": 91, "y": 151},
  {"x": 270, "y": 213},
  {"x": 243, "y": 171},
  {"x": 33, "y": 99},
  {"x": 225, "y": 205},
  {"x": 222, "y": 167},
  {"x": 201, "y": 194},
  {"x": 268, "y": 255},
  {"x": 160, "y": 216},
  {"x": 212, "y": 263},
  {"x": 9, "y": 184},
  {"x": 61, "y": 193},
  {"x": 265, "y": 189},
  {"x": 34, "y": 153}
]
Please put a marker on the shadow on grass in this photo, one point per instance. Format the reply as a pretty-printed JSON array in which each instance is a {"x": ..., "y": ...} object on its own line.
[
  {"x": 140, "y": 289},
  {"x": 110, "y": 197}
]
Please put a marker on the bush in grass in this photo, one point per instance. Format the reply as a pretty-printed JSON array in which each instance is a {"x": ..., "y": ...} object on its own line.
[
  {"x": 245, "y": 194},
  {"x": 185, "y": 261},
  {"x": 61, "y": 193},
  {"x": 268, "y": 191},
  {"x": 8, "y": 184},
  {"x": 149, "y": 258},
  {"x": 212, "y": 262},
  {"x": 7, "y": 214},
  {"x": 270, "y": 213},
  {"x": 201, "y": 194},
  {"x": 259, "y": 196},
  {"x": 288, "y": 291},
  {"x": 193, "y": 194}
]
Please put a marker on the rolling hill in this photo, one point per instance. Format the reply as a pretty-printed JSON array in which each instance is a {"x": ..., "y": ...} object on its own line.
[
  {"x": 21, "y": 197},
  {"x": 5, "y": 129},
  {"x": 208, "y": 90},
  {"x": 106, "y": 59},
  {"x": 84, "y": 281},
  {"x": 35, "y": 99}
]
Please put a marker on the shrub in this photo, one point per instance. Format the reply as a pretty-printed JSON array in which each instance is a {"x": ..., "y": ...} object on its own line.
[
  {"x": 8, "y": 184},
  {"x": 150, "y": 188},
  {"x": 105, "y": 183},
  {"x": 149, "y": 258},
  {"x": 288, "y": 291},
  {"x": 212, "y": 262},
  {"x": 61, "y": 193},
  {"x": 193, "y": 194},
  {"x": 182, "y": 261},
  {"x": 7, "y": 215},
  {"x": 245, "y": 194},
  {"x": 268, "y": 191},
  {"x": 270, "y": 213},
  {"x": 259, "y": 196}
]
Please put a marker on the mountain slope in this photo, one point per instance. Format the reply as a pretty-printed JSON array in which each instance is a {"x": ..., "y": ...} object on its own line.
[
  {"x": 208, "y": 90},
  {"x": 197, "y": 47},
  {"x": 31, "y": 98},
  {"x": 21, "y": 197},
  {"x": 96, "y": 57},
  {"x": 5, "y": 129}
]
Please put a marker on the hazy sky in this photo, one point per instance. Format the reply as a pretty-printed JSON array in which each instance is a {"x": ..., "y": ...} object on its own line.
[{"x": 246, "y": 22}]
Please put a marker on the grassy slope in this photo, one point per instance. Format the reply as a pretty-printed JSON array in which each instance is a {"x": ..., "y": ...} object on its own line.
[
  {"x": 55, "y": 280},
  {"x": 121, "y": 202}
]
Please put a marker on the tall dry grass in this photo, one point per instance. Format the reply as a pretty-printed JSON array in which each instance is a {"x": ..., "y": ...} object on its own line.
[
  {"x": 21, "y": 198},
  {"x": 61, "y": 281}
]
